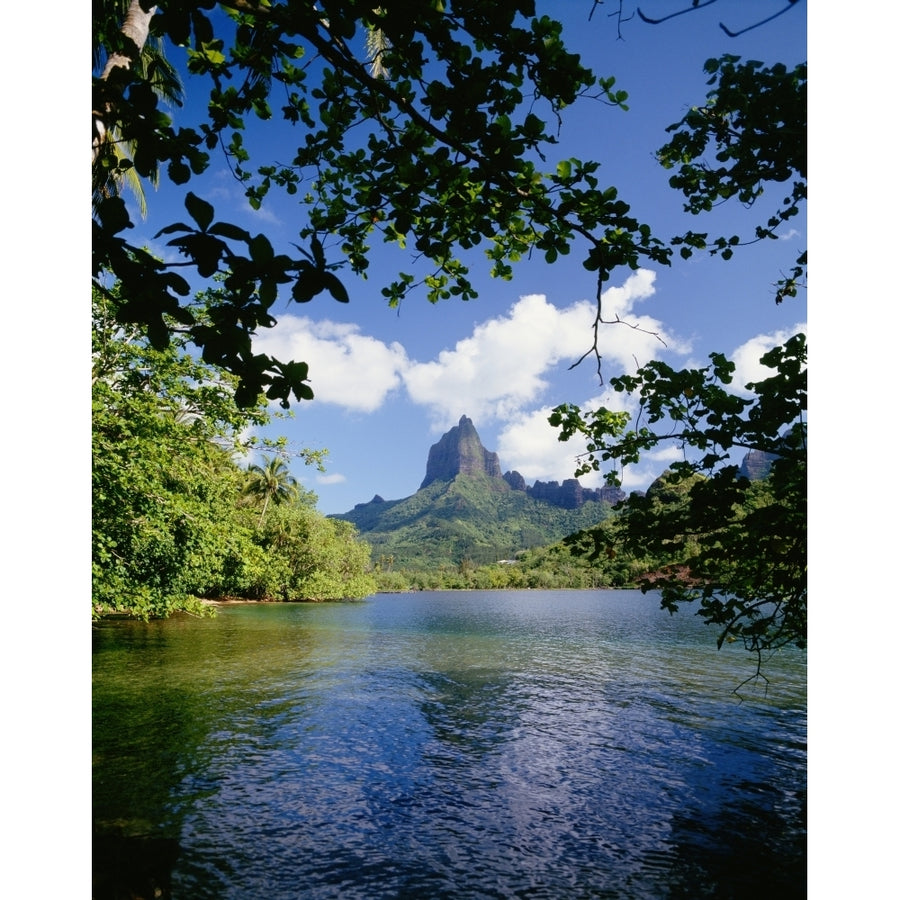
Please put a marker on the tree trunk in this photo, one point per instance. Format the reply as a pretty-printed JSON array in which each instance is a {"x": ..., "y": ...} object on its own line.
[
  {"x": 136, "y": 27},
  {"x": 263, "y": 513}
]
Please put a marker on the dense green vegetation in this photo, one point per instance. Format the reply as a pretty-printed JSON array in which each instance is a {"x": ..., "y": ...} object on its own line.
[
  {"x": 704, "y": 533},
  {"x": 547, "y": 568},
  {"x": 472, "y": 520},
  {"x": 175, "y": 516}
]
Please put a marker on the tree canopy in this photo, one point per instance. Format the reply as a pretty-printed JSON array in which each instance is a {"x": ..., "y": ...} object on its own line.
[
  {"x": 707, "y": 532},
  {"x": 458, "y": 118},
  {"x": 754, "y": 123},
  {"x": 271, "y": 482},
  {"x": 171, "y": 522}
]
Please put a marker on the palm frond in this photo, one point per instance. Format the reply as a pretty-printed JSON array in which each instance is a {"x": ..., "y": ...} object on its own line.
[{"x": 376, "y": 45}]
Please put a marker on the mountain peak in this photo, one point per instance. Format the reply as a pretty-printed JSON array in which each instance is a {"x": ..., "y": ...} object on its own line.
[{"x": 460, "y": 452}]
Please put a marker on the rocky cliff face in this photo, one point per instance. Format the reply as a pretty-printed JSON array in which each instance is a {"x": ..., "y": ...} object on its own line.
[
  {"x": 515, "y": 480},
  {"x": 460, "y": 452},
  {"x": 756, "y": 464},
  {"x": 569, "y": 495}
]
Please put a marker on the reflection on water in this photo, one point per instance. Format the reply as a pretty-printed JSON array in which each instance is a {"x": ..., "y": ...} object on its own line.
[{"x": 499, "y": 744}]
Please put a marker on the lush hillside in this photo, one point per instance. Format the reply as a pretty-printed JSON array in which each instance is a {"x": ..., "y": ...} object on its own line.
[
  {"x": 175, "y": 518},
  {"x": 474, "y": 518}
]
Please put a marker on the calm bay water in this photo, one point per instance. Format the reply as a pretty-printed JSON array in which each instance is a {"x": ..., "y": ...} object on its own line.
[{"x": 565, "y": 744}]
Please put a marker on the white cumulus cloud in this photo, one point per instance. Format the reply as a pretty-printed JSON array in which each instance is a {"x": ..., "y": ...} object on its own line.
[
  {"x": 530, "y": 445},
  {"x": 504, "y": 365},
  {"x": 746, "y": 357},
  {"x": 346, "y": 368},
  {"x": 331, "y": 479},
  {"x": 497, "y": 373}
]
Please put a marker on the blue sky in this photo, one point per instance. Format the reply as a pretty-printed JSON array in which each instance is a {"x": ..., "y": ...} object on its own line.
[{"x": 389, "y": 382}]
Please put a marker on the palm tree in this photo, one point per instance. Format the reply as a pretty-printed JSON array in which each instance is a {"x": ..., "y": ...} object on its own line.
[
  {"x": 271, "y": 482},
  {"x": 111, "y": 154}
]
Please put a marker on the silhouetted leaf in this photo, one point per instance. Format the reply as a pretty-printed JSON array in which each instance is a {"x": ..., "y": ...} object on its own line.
[
  {"x": 332, "y": 284},
  {"x": 227, "y": 230},
  {"x": 113, "y": 215},
  {"x": 201, "y": 211}
]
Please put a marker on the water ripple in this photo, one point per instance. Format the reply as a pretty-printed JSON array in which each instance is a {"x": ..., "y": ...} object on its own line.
[{"x": 493, "y": 745}]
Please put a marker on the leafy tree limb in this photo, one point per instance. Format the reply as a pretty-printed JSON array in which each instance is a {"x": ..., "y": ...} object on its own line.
[
  {"x": 444, "y": 155},
  {"x": 706, "y": 533},
  {"x": 754, "y": 123}
]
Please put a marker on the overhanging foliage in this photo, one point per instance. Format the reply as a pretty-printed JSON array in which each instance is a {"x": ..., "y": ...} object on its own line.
[{"x": 448, "y": 150}]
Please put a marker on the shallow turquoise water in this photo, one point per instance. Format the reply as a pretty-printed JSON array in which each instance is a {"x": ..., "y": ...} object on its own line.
[{"x": 478, "y": 744}]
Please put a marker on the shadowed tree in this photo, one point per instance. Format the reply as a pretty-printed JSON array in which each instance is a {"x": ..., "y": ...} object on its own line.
[
  {"x": 125, "y": 47},
  {"x": 450, "y": 152}
]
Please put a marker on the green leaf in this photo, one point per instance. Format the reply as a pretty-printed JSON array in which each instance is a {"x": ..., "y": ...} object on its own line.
[
  {"x": 113, "y": 215},
  {"x": 172, "y": 229},
  {"x": 178, "y": 172},
  {"x": 307, "y": 285},
  {"x": 177, "y": 284},
  {"x": 317, "y": 251}
]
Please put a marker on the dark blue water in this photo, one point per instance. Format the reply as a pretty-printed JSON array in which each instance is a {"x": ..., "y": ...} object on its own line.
[{"x": 463, "y": 745}]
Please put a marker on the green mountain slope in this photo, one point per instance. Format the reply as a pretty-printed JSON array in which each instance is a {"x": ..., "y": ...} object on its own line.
[{"x": 475, "y": 518}]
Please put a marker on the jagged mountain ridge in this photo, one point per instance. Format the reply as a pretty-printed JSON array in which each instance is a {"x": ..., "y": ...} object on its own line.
[
  {"x": 460, "y": 452},
  {"x": 466, "y": 509}
]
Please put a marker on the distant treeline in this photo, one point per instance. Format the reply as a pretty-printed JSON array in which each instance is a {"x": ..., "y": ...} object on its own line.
[{"x": 548, "y": 568}]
